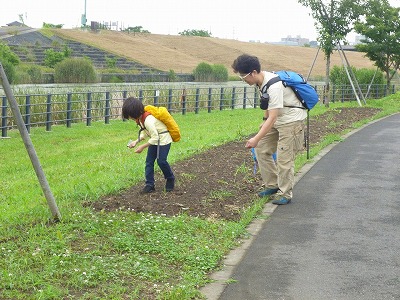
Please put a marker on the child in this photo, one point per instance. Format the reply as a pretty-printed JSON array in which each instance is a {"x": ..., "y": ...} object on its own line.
[{"x": 158, "y": 144}]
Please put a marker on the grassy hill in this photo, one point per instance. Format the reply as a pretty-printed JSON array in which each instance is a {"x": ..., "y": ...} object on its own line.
[{"x": 183, "y": 53}]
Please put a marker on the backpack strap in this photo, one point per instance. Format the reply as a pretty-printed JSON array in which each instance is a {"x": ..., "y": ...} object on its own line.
[
  {"x": 270, "y": 82},
  {"x": 140, "y": 122},
  {"x": 264, "y": 101},
  {"x": 293, "y": 106},
  {"x": 273, "y": 80}
]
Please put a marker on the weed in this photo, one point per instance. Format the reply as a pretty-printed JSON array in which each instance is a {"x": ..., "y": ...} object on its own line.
[
  {"x": 188, "y": 176},
  {"x": 242, "y": 169},
  {"x": 220, "y": 194},
  {"x": 230, "y": 281}
]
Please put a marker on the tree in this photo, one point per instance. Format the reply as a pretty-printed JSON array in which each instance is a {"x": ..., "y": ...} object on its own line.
[
  {"x": 21, "y": 18},
  {"x": 9, "y": 60},
  {"x": 195, "y": 32},
  {"x": 333, "y": 21},
  {"x": 136, "y": 29},
  {"x": 381, "y": 29},
  {"x": 49, "y": 25},
  {"x": 8, "y": 55}
]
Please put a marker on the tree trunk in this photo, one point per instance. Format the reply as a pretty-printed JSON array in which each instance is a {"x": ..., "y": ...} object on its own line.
[
  {"x": 327, "y": 80},
  {"x": 388, "y": 87}
]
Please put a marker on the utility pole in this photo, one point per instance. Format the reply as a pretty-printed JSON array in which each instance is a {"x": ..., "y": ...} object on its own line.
[
  {"x": 29, "y": 146},
  {"x": 84, "y": 19}
]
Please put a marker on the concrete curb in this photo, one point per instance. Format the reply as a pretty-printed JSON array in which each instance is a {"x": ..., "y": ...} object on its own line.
[{"x": 221, "y": 278}]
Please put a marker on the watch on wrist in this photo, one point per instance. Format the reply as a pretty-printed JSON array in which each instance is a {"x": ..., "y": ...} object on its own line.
[{"x": 265, "y": 118}]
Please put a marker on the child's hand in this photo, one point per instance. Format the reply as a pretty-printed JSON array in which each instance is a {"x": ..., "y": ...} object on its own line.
[
  {"x": 140, "y": 149},
  {"x": 132, "y": 144}
]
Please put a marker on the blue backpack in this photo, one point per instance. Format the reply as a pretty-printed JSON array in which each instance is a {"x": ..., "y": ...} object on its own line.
[{"x": 305, "y": 92}]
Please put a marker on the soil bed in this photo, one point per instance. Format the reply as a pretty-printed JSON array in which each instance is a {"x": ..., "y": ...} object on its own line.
[{"x": 220, "y": 182}]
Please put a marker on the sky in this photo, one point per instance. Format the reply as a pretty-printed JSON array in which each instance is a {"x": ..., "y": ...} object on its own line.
[{"x": 261, "y": 21}]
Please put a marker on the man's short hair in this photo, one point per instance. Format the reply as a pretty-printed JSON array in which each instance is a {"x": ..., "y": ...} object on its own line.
[{"x": 246, "y": 63}]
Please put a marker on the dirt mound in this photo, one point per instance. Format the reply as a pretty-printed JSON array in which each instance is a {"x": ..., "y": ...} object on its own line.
[{"x": 183, "y": 53}]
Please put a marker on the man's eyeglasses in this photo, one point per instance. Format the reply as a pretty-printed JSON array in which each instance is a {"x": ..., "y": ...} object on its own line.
[{"x": 244, "y": 76}]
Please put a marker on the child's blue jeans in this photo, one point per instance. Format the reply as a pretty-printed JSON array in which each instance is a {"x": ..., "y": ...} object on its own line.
[{"x": 161, "y": 161}]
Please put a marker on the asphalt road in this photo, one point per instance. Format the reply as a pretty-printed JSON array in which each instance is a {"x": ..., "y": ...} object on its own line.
[{"x": 340, "y": 236}]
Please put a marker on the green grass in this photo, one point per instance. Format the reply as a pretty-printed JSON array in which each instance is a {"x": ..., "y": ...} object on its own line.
[{"x": 118, "y": 255}]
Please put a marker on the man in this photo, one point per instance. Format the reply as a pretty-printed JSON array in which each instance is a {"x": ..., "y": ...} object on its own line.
[{"x": 281, "y": 132}]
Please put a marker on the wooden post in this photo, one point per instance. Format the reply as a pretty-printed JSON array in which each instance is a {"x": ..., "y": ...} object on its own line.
[{"x": 29, "y": 146}]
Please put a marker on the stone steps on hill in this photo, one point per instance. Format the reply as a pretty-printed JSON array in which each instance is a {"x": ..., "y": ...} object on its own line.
[{"x": 31, "y": 48}]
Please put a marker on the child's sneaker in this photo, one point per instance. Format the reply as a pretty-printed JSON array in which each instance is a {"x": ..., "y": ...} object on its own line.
[
  {"x": 169, "y": 185},
  {"x": 148, "y": 189}
]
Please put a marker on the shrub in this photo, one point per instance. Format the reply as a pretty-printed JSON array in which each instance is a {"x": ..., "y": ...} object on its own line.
[
  {"x": 111, "y": 62},
  {"x": 75, "y": 70},
  {"x": 7, "y": 55},
  {"x": 116, "y": 79},
  {"x": 67, "y": 51},
  {"x": 365, "y": 76},
  {"x": 8, "y": 60},
  {"x": 220, "y": 73},
  {"x": 21, "y": 77},
  {"x": 35, "y": 74},
  {"x": 338, "y": 76},
  {"x": 9, "y": 69},
  {"x": 172, "y": 76},
  {"x": 52, "y": 58},
  {"x": 205, "y": 72}
]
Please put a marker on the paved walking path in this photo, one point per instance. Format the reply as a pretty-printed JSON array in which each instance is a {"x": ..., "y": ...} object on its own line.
[{"x": 340, "y": 236}]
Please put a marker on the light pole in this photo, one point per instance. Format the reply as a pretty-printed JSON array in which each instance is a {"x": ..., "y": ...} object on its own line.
[{"x": 83, "y": 19}]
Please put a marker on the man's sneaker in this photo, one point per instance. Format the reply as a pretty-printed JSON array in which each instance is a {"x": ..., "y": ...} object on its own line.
[
  {"x": 148, "y": 189},
  {"x": 267, "y": 192},
  {"x": 169, "y": 185},
  {"x": 281, "y": 201}
]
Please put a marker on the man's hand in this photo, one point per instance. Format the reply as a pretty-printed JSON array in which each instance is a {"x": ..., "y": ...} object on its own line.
[{"x": 251, "y": 143}]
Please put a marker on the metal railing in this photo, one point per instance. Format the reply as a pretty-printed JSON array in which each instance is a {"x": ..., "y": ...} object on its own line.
[
  {"x": 66, "y": 108},
  {"x": 342, "y": 93}
]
